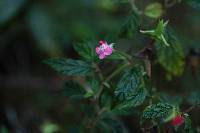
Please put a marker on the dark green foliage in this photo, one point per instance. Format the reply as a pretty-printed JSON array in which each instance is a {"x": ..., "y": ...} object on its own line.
[
  {"x": 129, "y": 84},
  {"x": 69, "y": 67},
  {"x": 170, "y": 57},
  {"x": 154, "y": 111},
  {"x": 137, "y": 99},
  {"x": 86, "y": 50},
  {"x": 73, "y": 90},
  {"x": 130, "y": 27}
]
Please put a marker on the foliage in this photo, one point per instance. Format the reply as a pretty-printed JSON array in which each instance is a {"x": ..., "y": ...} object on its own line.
[
  {"x": 119, "y": 84},
  {"x": 69, "y": 66},
  {"x": 129, "y": 82}
]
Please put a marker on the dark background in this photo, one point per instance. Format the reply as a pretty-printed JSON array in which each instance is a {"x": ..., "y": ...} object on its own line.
[{"x": 32, "y": 31}]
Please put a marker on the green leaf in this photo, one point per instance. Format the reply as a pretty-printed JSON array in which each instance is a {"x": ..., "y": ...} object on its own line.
[
  {"x": 155, "y": 111},
  {"x": 129, "y": 84},
  {"x": 171, "y": 58},
  {"x": 86, "y": 50},
  {"x": 158, "y": 33},
  {"x": 69, "y": 67},
  {"x": 137, "y": 99},
  {"x": 153, "y": 10},
  {"x": 160, "y": 29},
  {"x": 9, "y": 9},
  {"x": 73, "y": 90},
  {"x": 130, "y": 27},
  {"x": 194, "y": 97}
]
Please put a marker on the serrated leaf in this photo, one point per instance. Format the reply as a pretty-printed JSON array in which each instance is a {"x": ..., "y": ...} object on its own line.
[
  {"x": 130, "y": 27},
  {"x": 155, "y": 111},
  {"x": 137, "y": 99},
  {"x": 69, "y": 67},
  {"x": 129, "y": 83},
  {"x": 86, "y": 50},
  {"x": 171, "y": 58},
  {"x": 73, "y": 90},
  {"x": 158, "y": 33},
  {"x": 153, "y": 10},
  {"x": 160, "y": 29}
]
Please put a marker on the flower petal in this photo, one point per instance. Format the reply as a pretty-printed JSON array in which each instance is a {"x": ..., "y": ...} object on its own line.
[
  {"x": 108, "y": 51},
  {"x": 102, "y": 56}
]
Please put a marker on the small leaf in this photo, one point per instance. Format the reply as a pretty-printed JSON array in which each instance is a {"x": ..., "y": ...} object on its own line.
[
  {"x": 158, "y": 33},
  {"x": 155, "y": 111},
  {"x": 129, "y": 83},
  {"x": 69, "y": 67},
  {"x": 160, "y": 29},
  {"x": 153, "y": 10}
]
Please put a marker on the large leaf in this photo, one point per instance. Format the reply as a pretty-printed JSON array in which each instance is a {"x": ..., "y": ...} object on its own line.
[
  {"x": 129, "y": 84},
  {"x": 137, "y": 99},
  {"x": 86, "y": 50},
  {"x": 9, "y": 8},
  {"x": 155, "y": 111},
  {"x": 69, "y": 67},
  {"x": 153, "y": 10},
  {"x": 170, "y": 57}
]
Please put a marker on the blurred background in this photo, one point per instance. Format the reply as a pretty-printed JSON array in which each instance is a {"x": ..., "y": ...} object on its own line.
[{"x": 34, "y": 30}]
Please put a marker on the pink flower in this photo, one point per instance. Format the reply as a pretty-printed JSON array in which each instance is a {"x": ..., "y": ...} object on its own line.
[
  {"x": 177, "y": 121},
  {"x": 103, "y": 49}
]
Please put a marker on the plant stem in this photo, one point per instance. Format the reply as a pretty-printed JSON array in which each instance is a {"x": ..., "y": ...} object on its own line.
[
  {"x": 128, "y": 57},
  {"x": 118, "y": 70}
]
